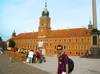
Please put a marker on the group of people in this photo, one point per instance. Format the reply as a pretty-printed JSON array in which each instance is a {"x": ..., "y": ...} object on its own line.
[
  {"x": 65, "y": 64},
  {"x": 35, "y": 56}
]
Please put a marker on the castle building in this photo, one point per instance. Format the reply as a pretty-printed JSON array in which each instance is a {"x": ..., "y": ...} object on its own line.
[{"x": 75, "y": 41}]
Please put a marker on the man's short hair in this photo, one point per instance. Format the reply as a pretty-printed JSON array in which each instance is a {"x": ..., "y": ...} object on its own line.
[{"x": 59, "y": 47}]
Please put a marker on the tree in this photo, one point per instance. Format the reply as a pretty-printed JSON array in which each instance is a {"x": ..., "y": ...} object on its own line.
[
  {"x": 4, "y": 45},
  {"x": 0, "y": 42},
  {"x": 11, "y": 43},
  {"x": 0, "y": 39}
]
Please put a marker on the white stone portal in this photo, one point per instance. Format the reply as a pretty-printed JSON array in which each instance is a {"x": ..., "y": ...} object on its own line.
[
  {"x": 40, "y": 44},
  {"x": 8, "y": 48}
]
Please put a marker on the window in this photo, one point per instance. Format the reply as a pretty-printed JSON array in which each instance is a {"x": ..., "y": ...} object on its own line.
[
  {"x": 70, "y": 52},
  {"x": 50, "y": 44},
  {"x": 76, "y": 40},
  {"x": 64, "y": 47},
  {"x": 64, "y": 40},
  {"x": 76, "y": 53},
  {"x": 94, "y": 40},
  {"x": 69, "y": 40},
  {"x": 55, "y": 47},
  {"x": 81, "y": 53},
  {"x": 82, "y": 40}
]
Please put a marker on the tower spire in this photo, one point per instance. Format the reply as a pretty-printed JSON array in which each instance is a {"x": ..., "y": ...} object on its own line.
[
  {"x": 45, "y": 11},
  {"x": 45, "y": 3},
  {"x": 14, "y": 33}
]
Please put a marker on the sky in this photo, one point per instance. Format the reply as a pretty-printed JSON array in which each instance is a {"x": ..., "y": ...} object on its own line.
[{"x": 23, "y": 15}]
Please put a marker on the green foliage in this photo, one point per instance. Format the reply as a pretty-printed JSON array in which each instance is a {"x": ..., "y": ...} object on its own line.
[
  {"x": 0, "y": 39},
  {"x": 11, "y": 43}
]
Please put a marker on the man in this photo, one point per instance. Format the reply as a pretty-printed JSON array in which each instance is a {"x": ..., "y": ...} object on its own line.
[
  {"x": 62, "y": 60},
  {"x": 43, "y": 55}
]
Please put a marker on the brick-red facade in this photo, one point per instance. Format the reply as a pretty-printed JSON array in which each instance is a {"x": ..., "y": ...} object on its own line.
[{"x": 75, "y": 41}]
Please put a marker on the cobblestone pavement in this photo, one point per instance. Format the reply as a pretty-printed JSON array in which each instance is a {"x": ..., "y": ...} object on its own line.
[
  {"x": 82, "y": 65},
  {"x": 8, "y": 67}
]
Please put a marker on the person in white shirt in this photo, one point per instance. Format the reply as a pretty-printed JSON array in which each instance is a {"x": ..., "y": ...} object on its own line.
[{"x": 30, "y": 56}]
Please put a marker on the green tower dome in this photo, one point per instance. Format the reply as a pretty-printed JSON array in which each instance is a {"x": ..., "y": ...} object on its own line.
[{"x": 45, "y": 12}]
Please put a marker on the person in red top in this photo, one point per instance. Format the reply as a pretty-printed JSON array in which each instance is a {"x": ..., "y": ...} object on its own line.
[{"x": 38, "y": 55}]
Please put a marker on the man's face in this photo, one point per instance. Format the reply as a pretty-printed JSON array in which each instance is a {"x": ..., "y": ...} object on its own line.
[{"x": 59, "y": 51}]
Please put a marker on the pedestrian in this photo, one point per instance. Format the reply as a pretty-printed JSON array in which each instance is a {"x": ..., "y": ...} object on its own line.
[
  {"x": 43, "y": 55},
  {"x": 38, "y": 55},
  {"x": 30, "y": 56},
  {"x": 62, "y": 60}
]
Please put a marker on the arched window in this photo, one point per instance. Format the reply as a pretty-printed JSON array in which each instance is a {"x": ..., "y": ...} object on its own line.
[
  {"x": 94, "y": 40},
  {"x": 55, "y": 47},
  {"x": 76, "y": 53},
  {"x": 70, "y": 53}
]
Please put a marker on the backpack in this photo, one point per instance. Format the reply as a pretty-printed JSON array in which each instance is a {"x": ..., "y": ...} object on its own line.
[{"x": 70, "y": 65}]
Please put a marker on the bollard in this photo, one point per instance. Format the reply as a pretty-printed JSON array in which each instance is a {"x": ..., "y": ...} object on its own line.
[{"x": 10, "y": 60}]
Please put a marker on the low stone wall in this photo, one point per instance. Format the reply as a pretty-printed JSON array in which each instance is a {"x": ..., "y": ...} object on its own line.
[{"x": 15, "y": 55}]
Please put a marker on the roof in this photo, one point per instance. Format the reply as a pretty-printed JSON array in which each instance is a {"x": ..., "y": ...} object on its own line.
[
  {"x": 30, "y": 35},
  {"x": 74, "y": 32}
]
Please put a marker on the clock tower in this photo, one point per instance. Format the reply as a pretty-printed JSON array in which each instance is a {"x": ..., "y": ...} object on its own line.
[{"x": 44, "y": 25}]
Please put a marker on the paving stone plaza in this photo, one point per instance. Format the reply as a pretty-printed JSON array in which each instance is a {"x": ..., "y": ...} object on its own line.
[{"x": 82, "y": 65}]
